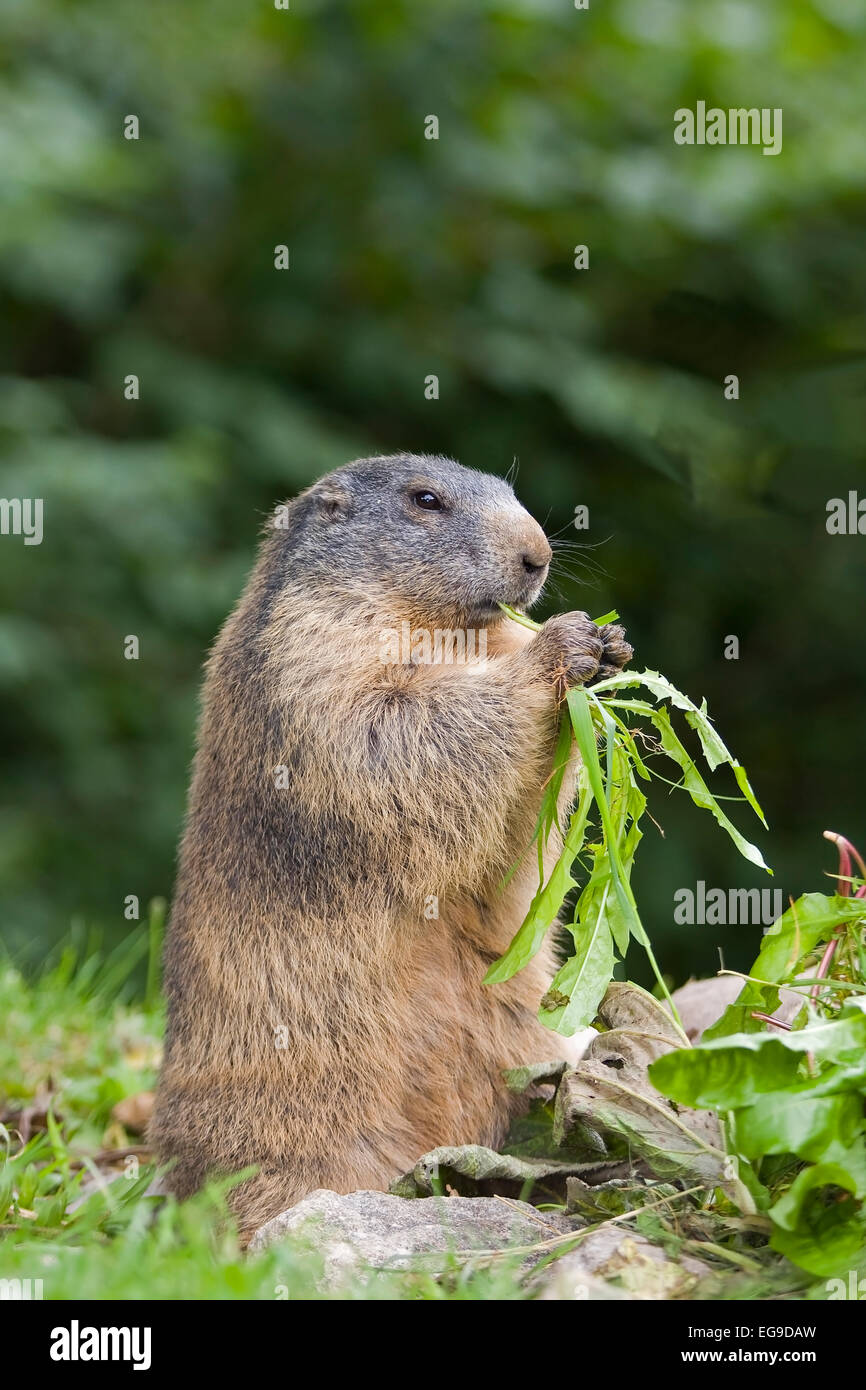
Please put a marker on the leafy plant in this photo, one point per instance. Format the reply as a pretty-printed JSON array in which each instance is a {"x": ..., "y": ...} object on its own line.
[
  {"x": 796, "y": 1089},
  {"x": 606, "y": 916},
  {"x": 789, "y": 1095}
]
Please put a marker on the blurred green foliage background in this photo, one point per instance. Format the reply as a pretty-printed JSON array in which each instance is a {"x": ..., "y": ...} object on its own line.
[{"x": 411, "y": 257}]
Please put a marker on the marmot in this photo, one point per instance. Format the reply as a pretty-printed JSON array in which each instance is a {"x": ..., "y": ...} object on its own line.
[{"x": 351, "y": 818}]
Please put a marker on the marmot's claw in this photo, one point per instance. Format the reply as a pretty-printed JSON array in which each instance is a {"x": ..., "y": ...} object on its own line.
[{"x": 617, "y": 652}]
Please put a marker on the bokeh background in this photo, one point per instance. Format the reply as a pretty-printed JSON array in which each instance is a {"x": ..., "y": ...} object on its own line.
[{"x": 410, "y": 257}]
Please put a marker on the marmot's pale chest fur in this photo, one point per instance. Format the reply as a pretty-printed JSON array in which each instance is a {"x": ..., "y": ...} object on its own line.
[{"x": 357, "y": 799}]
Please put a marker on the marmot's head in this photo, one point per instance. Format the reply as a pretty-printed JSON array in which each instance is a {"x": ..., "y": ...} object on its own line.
[{"x": 421, "y": 533}]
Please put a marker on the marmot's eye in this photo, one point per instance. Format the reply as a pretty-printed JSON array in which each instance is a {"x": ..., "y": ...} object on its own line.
[{"x": 427, "y": 501}]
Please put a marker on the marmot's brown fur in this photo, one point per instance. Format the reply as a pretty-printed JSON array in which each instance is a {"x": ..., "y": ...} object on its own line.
[{"x": 324, "y": 1023}]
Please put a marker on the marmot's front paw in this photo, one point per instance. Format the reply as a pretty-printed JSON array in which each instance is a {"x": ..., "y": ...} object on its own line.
[
  {"x": 572, "y": 650},
  {"x": 569, "y": 648}
]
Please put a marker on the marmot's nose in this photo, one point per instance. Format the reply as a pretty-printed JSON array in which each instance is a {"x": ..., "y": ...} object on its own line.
[{"x": 537, "y": 557}]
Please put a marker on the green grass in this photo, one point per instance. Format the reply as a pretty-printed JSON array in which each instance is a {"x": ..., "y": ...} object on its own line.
[{"x": 75, "y": 1041}]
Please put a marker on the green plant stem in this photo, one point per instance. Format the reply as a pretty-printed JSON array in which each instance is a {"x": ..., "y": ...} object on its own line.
[
  {"x": 585, "y": 732},
  {"x": 521, "y": 618}
]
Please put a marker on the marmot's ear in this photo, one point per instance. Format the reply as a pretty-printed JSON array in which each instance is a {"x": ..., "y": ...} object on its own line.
[{"x": 333, "y": 499}]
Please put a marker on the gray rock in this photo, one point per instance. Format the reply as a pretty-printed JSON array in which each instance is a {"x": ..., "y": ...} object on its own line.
[
  {"x": 365, "y": 1231},
  {"x": 380, "y": 1231},
  {"x": 616, "y": 1263}
]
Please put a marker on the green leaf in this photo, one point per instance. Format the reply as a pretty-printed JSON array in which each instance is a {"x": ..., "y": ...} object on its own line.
[
  {"x": 549, "y": 813},
  {"x": 619, "y": 921},
  {"x": 546, "y": 904},
  {"x": 784, "y": 1122},
  {"x": 519, "y": 1079},
  {"x": 808, "y": 922},
  {"x": 812, "y": 919},
  {"x": 583, "y": 979},
  {"x": 813, "y": 1228},
  {"x": 468, "y": 1167},
  {"x": 597, "y": 896},
  {"x": 630, "y": 743},
  {"x": 618, "y": 924},
  {"x": 729, "y": 1072},
  {"x": 787, "y": 1212},
  {"x": 745, "y": 787},
  {"x": 715, "y": 751},
  {"x": 723, "y": 1078},
  {"x": 737, "y": 1018},
  {"x": 532, "y": 931},
  {"x": 584, "y": 732},
  {"x": 692, "y": 780},
  {"x": 836, "y": 1040},
  {"x": 698, "y": 789}
]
